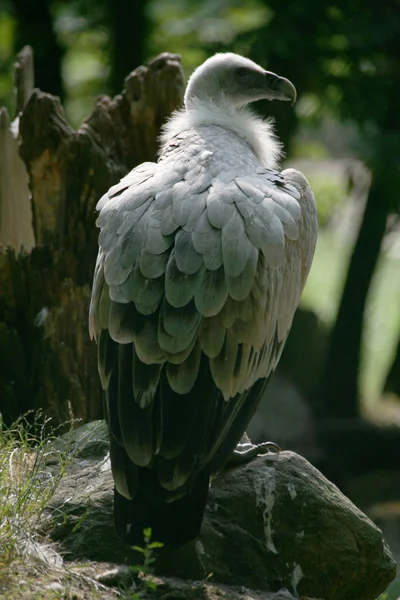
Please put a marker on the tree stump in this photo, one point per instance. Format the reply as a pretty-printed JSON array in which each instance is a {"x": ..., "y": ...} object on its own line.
[{"x": 47, "y": 359}]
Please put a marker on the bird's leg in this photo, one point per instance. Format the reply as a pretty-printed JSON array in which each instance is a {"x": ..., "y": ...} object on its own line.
[{"x": 246, "y": 451}]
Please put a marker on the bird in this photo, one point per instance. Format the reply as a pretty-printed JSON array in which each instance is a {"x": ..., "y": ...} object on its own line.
[{"x": 202, "y": 259}]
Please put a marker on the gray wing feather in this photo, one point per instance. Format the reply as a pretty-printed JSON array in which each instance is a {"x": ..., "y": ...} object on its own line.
[
  {"x": 240, "y": 370},
  {"x": 181, "y": 196},
  {"x": 180, "y": 287},
  {"x": 211, "y": 295},
  {"x": 131, "y": 245},
  {"x": 117, "y": 294},
  {"x": 120, "y": 323},
  {"x": 145, "y": 293},
  {"x": 222, "y": 367},
  {"x": 131, "y": 218},
  {"x": 290, "y": 226},
  {"x": 205, "y": 236},
  {"x": 273, "y": 247},
  {"x": 135, "y": 177},
  {"x": 288, "y": 202},
  {"x": 168, "y": 225},
  {"x": 153, "y": 265},
  {"x": 197, "y": 207},
  {"x": 246, "y": 184},
  {"x": 103, "y": 308},
  {"x": 236, "y": 247},
  {"x": 188, "y": 260},
  {"x": 106, "y": 239},
  {"x": 228, "y": 313},
  {"x": 220, "y": 203},
  {"x": 213, "y": 257},
  {"x": 212, "y": 336},
  {"x": 156, "y": 242},
  {"x": 219, "y": 213},
  {"x": 182, "y": 377},
  {"x": 178, "y": 327},
  {"x": 207, "y": 241},
  {"x": 98, "y": 282},
  {"x": 239, "y": 287},
  {"x": 131, "y": 199},
  {"x": 163, "y": 198},
  {"x": 147, "y": 343}
]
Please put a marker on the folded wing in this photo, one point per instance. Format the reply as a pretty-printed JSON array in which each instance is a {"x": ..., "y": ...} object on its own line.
[{"x": 201, "y": 265}]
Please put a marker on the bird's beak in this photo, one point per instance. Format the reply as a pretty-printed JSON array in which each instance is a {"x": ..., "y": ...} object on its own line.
[{"x": 279, "y": 88}]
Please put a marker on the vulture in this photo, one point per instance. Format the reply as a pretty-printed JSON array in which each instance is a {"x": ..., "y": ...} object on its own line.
[{"x": 203, "y": 256}]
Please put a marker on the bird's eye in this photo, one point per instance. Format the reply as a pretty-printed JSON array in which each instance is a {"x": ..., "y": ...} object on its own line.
[{"x": 242, "y": 73}]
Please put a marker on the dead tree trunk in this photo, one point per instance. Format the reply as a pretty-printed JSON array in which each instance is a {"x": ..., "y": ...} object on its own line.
[
  {"x": 47, "y": 360},
  {"x": 339, "y": 389}
]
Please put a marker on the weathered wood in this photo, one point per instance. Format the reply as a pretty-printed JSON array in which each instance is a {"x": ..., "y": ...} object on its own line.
[
  {"x": 24, "y": 78},
  {"x": 44, "y": 294},
  {"x": 15, "y": 209}
]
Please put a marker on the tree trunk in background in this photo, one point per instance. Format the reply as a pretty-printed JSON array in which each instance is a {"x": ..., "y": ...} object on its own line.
[
  {"x": 47, "y": 359},
  {"x": 339, "y": 389},
  {"x": 35, "y": 28},
  {"x": 392, "y": 383},
  {"x": 128, "y": 30}
]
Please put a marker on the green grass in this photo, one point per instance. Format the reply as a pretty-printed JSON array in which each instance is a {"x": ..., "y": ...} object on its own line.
[
  {"x": 25, "y": 488},
  {"x": 30, "y": 567}
]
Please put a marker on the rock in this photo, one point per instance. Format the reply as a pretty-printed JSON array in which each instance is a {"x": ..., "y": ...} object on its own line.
[
  {"x": 82, "y": 507},
  {"x": 176, "y": 589},
  {"x": 274, "y": 524},
  {"x": 117, "y": 576},
  {"x": 172, "y": 588}
]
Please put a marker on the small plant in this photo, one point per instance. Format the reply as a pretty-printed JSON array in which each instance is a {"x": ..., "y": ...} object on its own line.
[{"x": 146, "y": 569}]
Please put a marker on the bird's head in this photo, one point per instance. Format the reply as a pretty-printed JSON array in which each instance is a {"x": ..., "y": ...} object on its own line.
[{"x": 235, "y": 81}]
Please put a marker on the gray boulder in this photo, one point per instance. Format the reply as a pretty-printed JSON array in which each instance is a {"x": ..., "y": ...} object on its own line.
[{"x": 274, "y": 524}]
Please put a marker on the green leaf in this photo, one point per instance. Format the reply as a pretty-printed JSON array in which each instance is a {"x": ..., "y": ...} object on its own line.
[{"x": 156, "y": 545}]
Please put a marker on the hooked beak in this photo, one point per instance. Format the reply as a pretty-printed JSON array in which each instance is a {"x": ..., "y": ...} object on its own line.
[{"x": 279, "y": 88}]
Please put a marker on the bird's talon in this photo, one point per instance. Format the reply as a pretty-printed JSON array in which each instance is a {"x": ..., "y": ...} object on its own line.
[
  {"x": 246, "y": 452},
  {"x": 269, "y": 447}
]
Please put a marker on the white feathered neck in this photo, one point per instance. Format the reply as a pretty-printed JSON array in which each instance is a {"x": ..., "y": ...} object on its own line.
[{"x": 257, "y": 131}]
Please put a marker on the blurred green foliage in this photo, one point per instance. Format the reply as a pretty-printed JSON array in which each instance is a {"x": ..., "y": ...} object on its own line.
[
  {"x": 86, "y": 67},
  {"x": 7, "y": 26},
  {"x": 331, "y": 196}
]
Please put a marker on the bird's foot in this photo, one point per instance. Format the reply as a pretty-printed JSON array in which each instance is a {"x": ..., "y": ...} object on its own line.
[{"x": 245, "y": 452}]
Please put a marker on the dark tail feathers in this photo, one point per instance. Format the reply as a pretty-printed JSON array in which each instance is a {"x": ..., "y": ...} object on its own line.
[{"x": 173, "y": 523}]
